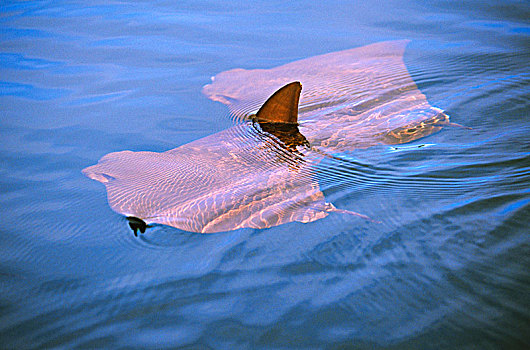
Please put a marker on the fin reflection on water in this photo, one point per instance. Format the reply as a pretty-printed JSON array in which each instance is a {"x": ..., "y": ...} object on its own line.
[{"x": 260, "y": 173}]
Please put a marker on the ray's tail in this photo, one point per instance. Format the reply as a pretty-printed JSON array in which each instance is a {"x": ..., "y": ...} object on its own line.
[{"x": 332, "y": 209}]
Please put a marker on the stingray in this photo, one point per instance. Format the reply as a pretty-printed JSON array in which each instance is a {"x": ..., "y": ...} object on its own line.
[{"x": 261, "y": 172}]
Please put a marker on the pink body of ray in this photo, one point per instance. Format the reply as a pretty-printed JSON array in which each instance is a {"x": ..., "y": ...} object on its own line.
[{"x": 243, "y": 178}]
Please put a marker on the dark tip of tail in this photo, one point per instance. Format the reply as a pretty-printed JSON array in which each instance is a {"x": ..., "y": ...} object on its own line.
[{"x": 136, "y": 224}]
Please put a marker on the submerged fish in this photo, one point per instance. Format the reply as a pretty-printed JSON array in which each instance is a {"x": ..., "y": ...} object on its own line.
[{"x": 260, "y": 173}]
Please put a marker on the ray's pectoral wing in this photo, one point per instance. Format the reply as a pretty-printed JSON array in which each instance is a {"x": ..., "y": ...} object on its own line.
[
  {"x": 352, "y": 99},
  {"x": 254, "y": 200},
  {"x": 221, "y": 182},
  {"x": 250, "y": 206},
  {"x": 351, "y": 76}
]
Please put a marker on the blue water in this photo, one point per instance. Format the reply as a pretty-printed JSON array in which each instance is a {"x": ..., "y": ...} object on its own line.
[{"x": 447, "y": 267}]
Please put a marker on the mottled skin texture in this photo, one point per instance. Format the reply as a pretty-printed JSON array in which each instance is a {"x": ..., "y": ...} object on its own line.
[
  {"x": 250, "y": 176},
  {"x": 225, "y": 181}
]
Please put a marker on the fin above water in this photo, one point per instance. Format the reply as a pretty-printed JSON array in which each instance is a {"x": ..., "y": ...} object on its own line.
[{"x": 282, "y": 106}]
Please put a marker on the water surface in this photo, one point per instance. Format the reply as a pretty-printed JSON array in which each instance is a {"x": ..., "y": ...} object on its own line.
[{"x": 447, "y": 267}]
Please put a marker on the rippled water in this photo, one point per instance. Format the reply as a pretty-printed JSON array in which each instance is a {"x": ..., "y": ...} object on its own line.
[{"x": 447, "y": 267}]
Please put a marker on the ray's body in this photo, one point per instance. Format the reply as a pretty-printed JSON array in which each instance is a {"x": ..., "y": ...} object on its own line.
[{"x": 259, "y": 173}]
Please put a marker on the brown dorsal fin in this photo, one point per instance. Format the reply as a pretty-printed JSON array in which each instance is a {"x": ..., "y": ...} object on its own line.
[{"x": 282, "y": 106}]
